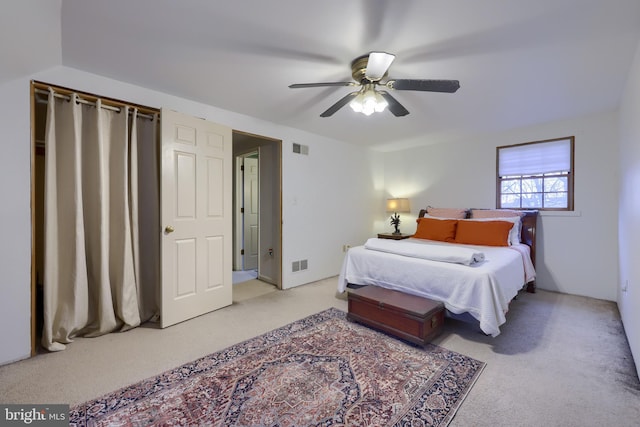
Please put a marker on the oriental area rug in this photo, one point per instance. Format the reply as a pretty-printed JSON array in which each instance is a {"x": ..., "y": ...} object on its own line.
[{"x": 319, "y": 371}]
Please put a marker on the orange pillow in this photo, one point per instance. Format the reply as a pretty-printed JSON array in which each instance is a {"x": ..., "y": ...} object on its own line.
[
  {"x": 486, "y": 233},
  {"x": 437, "y": 229}
]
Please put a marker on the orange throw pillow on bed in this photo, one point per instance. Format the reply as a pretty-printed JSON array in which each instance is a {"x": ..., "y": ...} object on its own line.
[
  {"x": 486, "y": 233},
  {"x": 437, "y": 229}
]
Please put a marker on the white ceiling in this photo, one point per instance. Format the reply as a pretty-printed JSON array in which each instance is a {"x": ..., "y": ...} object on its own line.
[{"x": 519, "y": 62}]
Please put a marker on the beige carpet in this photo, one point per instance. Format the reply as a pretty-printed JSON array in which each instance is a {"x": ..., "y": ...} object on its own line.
[
  {"x": 250, "y": 289},
  {"x": 560, "y": 361}
]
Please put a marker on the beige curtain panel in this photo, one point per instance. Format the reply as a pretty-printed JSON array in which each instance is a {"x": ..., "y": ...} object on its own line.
[{"x": 101, "y": 221}]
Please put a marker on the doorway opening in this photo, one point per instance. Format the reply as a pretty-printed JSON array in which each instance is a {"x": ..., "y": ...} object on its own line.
[{"x": 257, "y": 213}]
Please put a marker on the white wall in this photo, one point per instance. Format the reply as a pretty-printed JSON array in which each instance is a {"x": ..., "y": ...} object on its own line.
[
  {"x": 327, "y": 195},
  {"x": 576, "y": 253},
  {"x": 31, "y": 40},
  {"x": 31, "y": 36},
  {"x": 629, "y": 210},
  {"x": 15, "y": 214}
]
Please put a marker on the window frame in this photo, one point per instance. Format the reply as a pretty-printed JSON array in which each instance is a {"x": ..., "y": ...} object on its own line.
[{"x": 570, "y": 177}]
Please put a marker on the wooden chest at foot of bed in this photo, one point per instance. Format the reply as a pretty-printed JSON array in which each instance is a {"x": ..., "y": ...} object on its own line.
[{"x": 409, "y": 317}]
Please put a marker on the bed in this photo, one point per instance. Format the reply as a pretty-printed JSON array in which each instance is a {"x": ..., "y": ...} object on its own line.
[{"x": 471, "y": 279}]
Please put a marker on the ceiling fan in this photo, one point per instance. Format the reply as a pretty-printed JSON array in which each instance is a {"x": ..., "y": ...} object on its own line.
[{"x": 368, "y": 71}]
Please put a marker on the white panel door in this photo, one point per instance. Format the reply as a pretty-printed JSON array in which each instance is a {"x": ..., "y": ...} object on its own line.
[
  {"x": 196, "y": 217},
  {"x": 251, "y": 206}
]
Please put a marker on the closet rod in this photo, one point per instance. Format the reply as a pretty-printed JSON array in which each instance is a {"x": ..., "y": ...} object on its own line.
[
  {"x": 43, "y": 89},
  {"x": 83, "y": 101}
]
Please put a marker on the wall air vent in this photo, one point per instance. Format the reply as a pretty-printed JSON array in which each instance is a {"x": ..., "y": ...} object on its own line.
[
  {"x": 296, "y": 266},
  {"x": 300, "y": 149}
]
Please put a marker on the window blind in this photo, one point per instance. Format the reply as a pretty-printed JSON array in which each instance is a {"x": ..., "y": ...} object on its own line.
[{"x": 533, "y": 159}]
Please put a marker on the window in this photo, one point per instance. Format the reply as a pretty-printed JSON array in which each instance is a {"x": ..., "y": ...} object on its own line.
[{"x": 536, "y": 175}]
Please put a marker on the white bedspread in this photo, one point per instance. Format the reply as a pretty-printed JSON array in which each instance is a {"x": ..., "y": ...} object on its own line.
[
  {"x": 419, "y": 248},
  {"x": 483, "y": 289}
]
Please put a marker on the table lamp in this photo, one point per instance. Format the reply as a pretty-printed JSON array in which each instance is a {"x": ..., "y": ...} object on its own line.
[{"x": 397, "y": 206}]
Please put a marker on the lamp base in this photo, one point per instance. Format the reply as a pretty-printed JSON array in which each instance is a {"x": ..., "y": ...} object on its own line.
[{"x": 395, "y": 221}]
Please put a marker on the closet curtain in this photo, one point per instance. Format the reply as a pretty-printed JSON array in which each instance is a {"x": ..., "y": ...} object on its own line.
[{"x": 101, "y": 266}]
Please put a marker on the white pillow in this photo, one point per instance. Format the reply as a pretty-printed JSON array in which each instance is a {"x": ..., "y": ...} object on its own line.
[{"x": 439, "y": 217}]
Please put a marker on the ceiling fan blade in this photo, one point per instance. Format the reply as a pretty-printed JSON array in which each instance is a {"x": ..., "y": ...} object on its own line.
[
  {"x": 448, "y": 86},
  {"x": 378, "y": 64},
  {"x": 394, "y": 106},
  {"x": 338, "y": 105},
  {"x": 301, "y": 85}
]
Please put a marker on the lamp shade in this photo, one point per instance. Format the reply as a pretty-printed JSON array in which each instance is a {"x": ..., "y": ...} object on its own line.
[{"x": 398, "y": 205}]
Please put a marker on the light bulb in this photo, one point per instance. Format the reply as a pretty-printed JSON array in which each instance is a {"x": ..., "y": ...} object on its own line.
[
  {"x": 381, "y": 103},
  {"x": 369, "y": 103},
  {"x": 356, "y": 103}
]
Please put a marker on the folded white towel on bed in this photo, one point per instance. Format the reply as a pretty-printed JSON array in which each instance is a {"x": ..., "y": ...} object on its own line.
[{"x": 426, "y": 250}]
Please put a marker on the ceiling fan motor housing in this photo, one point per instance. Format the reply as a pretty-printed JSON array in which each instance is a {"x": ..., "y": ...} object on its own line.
[{"x": 359, "y": 69}]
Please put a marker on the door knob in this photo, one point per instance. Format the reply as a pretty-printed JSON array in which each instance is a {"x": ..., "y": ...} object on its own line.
[{"x": 168, "y": 229}]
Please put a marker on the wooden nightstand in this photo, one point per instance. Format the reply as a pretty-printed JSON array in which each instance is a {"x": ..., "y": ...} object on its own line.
[{"x": 393, "y": 236}]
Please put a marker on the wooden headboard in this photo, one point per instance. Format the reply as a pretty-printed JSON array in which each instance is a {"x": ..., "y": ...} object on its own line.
[
  {"x": 528, "y": 233},
  {"x": 527, "y": 236}
]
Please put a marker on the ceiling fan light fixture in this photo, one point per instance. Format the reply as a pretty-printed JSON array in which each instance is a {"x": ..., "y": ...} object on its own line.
[
  {"x": 367, "y": 111},
  {"x": 368, "y": 101}
]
